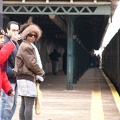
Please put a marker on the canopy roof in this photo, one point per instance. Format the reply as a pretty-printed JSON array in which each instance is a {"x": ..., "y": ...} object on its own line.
[{"x": 88, "y": 28}]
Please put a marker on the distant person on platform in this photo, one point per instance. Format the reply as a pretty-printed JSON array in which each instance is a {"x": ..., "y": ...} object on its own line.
[{"x": 54, "y": 57}]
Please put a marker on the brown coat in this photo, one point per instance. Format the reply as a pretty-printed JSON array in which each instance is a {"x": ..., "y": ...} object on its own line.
[{"x": 26, "y": 66}]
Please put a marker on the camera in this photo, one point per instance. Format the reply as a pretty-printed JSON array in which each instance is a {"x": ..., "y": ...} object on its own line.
[{"x": 19, "y": 36}]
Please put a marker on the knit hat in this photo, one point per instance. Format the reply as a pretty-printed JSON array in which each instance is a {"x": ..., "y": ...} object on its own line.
[
  {"x": 2, "y": 32},
  {"x": 32, "y": 28}
]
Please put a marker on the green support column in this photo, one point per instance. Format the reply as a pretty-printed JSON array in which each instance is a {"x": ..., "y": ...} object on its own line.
[
  {"x": 74, "y": 58},
  {"x": 77, "y": 58},
  {"x": 70, "y": 53}
]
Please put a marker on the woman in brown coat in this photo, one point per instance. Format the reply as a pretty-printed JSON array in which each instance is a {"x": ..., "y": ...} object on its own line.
[{"x": 28, "y": 68}]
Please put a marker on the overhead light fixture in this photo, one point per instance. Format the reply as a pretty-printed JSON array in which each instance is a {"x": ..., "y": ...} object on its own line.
[
  {"x": 47, "y": 1},
  {"x": 95, "y": 1},
  {"x": 23, "y": 0}
]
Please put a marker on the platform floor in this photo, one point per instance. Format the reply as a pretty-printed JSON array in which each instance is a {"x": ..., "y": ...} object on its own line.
[{"x": 92, "y": 98}]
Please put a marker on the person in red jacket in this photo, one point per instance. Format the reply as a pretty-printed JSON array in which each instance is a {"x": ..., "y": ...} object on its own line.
[{"x": 5, "y": 51}]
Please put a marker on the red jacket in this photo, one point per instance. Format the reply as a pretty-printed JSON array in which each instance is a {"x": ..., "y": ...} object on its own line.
[{"x": 5, "y": 51}]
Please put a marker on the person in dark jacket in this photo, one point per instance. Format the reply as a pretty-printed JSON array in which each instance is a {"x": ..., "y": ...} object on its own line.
[
  {"x": 8, "y": 104},
  {"x": 5, "y": 51},
  {"x": 54, "y": 57}
]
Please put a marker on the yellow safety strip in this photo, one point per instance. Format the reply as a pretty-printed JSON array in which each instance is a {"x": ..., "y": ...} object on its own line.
[
  {"x": 114, "y": 91},
  {"x": 96, "y": 104}
]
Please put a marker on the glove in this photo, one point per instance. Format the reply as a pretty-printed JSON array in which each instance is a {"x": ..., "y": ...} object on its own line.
[
  {"x": 43, "y": 72},
  {"x": 39, "y": 78}
]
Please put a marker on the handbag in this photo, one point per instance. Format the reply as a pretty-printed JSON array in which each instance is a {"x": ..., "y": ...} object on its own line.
[{"x": 38, "y": 99}]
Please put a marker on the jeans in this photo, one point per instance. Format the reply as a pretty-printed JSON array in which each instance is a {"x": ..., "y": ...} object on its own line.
[{"x": 8, "y": 104}]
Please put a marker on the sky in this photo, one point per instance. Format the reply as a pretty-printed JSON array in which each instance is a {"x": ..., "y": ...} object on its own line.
[{"x": 113, "y": 27}]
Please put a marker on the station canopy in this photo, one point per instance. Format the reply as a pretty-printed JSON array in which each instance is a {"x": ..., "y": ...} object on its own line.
[{"x": 90, "y": 18}]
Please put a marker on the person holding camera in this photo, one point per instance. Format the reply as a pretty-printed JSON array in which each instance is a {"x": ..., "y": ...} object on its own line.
[{"x": 8, "y": 104}]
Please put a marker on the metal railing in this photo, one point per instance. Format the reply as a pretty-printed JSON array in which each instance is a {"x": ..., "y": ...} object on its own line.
[{"x": 47, "y": 1}]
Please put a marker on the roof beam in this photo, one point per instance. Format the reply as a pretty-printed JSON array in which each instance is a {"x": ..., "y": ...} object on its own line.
[
  {"x": 59, "y": 22},
  {"x": 56, "y": 9}
]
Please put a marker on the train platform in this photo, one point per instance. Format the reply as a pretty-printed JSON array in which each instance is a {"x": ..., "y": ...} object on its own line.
[{"x": 92, "y": 98}]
